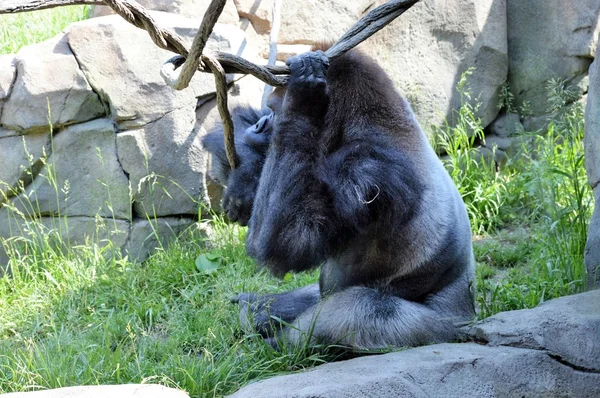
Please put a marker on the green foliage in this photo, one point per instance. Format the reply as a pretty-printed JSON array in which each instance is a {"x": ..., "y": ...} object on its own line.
[
  {"x": 481, "y": 186},
  {"x": 22, "y": 29},
  {"x": 546, "y": 191},
  {"x": 506, "y": 99}
]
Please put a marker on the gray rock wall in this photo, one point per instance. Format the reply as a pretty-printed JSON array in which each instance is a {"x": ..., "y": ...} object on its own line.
[{"x": 95, "y": 144}]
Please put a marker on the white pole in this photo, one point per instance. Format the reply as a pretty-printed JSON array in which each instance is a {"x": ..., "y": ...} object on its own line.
[{"x": 273, "y": 37}]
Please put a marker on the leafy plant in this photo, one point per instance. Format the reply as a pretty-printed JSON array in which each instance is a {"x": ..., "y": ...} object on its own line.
[{"x": 476, "y": 176}]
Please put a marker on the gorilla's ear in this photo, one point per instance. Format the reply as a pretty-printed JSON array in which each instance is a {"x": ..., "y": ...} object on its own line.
[{"x": 220, "y": 168}]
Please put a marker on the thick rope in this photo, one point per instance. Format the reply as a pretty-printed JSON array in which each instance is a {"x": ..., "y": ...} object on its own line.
[
  {"x": 193, "y": 60},
  {"x": 221, "y": 83}
]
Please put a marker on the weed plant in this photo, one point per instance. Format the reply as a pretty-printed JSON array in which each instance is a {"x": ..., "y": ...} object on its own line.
[
  {"x": 482, "y": 188},
  {"x": 546, "y": 192}
]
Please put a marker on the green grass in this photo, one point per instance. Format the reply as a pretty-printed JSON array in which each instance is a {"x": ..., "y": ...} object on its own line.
[
  {"x": 536, "y": 235},
  {"x": 77, "y": 318},
  {"x": 22, "y": 29}
]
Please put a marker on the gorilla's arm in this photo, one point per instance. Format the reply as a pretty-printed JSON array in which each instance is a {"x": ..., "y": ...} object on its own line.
[
  {"x": 252, "y": 137},
  {"x": 310, "y": 201}
]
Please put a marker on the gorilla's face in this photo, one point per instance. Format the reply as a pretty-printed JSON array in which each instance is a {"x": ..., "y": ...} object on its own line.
[{"x": 258, "y": 135}]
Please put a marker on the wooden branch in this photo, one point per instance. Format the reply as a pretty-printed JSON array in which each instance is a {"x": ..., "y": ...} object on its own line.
[{"x": 14, "y": 6}]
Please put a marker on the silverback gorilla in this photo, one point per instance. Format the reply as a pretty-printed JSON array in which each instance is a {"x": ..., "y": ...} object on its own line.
[{"x": 339, "y": 174}]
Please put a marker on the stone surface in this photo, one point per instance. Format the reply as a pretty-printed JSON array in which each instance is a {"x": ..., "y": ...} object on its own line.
[
  {"x": 83, "y": 175},
  {"x": 425, "y": 58},
  {"x": 592, "y": 165},
  {"x": 166, "y": 164},
  {"x": 74, "y": 230},
  {"x": 306, "y": 21},
  {"x": 441, "y": 370},
  {"x": 188, "y": 8},
  {"x": 549, "y": 39},
  {"x": 567, "y": 328},
  {"x": 146, "y": 235},
  {"x": 506, "y": 125},
  {"x": 428, "y": 48},
  {"x": 123, "y": 65},
  {"x": 49, "y": 88},
  {"x": 20, "y": 160},
  {"x": 550, "y": 351},
  {"x": 7, "y": 76},
  {"x": 113, "y": 391}
]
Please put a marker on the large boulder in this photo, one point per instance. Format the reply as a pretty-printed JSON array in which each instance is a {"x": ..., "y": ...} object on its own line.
[
  {"x": 549, "y": 39},
  {"x": 592, "y": 165},
  {"x": 550, "y": 351},
  {"x": 49, "y": 89},
  {"x": 81, "y": 177},
  {"x": 426, "y": 57},
  {"x": 123, "y": 65}
]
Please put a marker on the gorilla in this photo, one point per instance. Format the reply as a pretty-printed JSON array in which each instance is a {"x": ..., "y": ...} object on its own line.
[{"x": 337, "y": 173}]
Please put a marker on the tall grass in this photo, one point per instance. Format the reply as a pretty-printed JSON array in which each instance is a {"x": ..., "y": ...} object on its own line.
[
  {"x": 22, "y": 29},
  {"x": 481, "y": 186},
  {"x": 546, "y": 190}
]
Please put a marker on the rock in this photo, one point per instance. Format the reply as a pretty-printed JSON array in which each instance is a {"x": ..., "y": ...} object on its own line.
[
  {"x": 550, "y": 351},
  {"x": 425, "y": 59},
  {"x": 188, "y": 8},
  {"x": 20, "y": 161},
  {"x": 506, "y": 125},
  {"x": 83, "y": 174},
  {"x": 536, "y": 123},
  {"x": 83, "y": 230},
  {"x": 549, "y": 40},
  {"x": 492, "y": 141},
  {"x": 49, "y": 88},
  {"x": 166, "y": 165},
  {"x": 592, "y": 165},
  {"x": 441, "y": 370},
  {"x": 258, "y": 13},
  {"x": 123, "y": 65},
  {"x": 117, "y": 391},
  {"x": 7, "y": 77},
  {"x": 566, "y": 328},
  {"x": 146, "y": 235},
  {"x": 427, "y": 49},
  {"x": 592, "y": 247}
]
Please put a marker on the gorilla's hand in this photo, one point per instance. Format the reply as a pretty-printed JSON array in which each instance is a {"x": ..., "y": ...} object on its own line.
[
  {"x": 307, "y": 88},
  {"x": 239, "y": 195}
]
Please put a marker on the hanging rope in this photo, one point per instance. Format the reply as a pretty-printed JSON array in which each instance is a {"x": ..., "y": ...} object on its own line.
[{"x": 179, "y": 70}]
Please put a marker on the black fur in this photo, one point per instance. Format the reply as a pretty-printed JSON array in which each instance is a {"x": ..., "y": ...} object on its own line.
[{"x": 347, "y": 180}]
